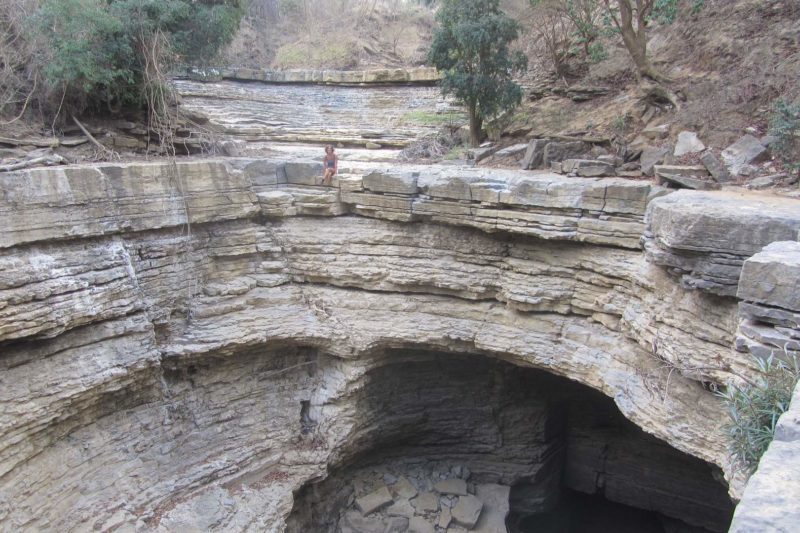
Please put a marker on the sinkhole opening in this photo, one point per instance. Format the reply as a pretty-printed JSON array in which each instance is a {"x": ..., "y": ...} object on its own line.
[{"x": 442, "y": 441}]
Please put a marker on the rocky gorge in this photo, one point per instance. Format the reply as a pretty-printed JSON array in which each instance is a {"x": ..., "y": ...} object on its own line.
[{"x": 222, "y": 344}]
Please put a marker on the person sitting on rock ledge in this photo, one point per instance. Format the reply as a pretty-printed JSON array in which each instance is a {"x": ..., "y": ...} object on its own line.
[{"x": 330, "y": 164}]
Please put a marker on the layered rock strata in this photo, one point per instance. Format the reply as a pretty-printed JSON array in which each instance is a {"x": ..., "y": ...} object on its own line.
[
  {"x": 188, "y": 336},
  {"x": 345, "y": 116},
  {"x": 527, "y": 430},
  {"x": 415, "y": 76},
  {"x": 770, "y": 327}
]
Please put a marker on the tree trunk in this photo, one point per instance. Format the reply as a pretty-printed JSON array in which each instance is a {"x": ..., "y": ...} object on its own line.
[
  {"x": 475, "y": 124},
  {"x": 636, "y": 43},
  {"x": 635, "y": 39}
]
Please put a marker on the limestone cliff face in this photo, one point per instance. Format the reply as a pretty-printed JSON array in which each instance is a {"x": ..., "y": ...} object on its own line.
[{"x": 163, "y": 325}]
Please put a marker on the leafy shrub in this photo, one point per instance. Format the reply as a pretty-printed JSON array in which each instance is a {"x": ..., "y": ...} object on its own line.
[
  {"x": 597, "y": 52},
  {"x": 785, "y": 125},
  {"x": 754, "y": 408},
  {"x": 107, "y": 53}
]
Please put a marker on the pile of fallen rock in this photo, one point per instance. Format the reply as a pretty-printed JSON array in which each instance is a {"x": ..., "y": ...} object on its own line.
[
  {"x": 684, "y": 163},
  {"x": 422, "y": 500}
]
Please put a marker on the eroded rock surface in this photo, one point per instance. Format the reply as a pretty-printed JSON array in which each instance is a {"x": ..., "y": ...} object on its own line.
[{"x": 180, "y": 337}]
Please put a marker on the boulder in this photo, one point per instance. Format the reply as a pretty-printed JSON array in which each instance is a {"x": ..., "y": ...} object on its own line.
[
  {"x": 773, "y": 180},
  {"x": 482, "y": 152},
  {"x": 744, "y": 152},
  {"x": 688, "y": 143},
  {"x": 444, "y": 518},
  {"x": 697, "y": 171},
  {"x": 715, "y": 167},
  {"x": 534, "y": 154},
  {"x": 688, "y": 182},
  {"x": 452, "y": 486},
  {"x": 588, "y": 167},
  {"x": 496, "y": 506},
  {"x": 300, "y": 172},
  {"x": 354, "y": 522},
  {"x": 512, "y": 151},
  {"x": 426, "y": 502},
  {"x": 772, "y": 276},
  {"x": 401, "y": 182},
  {"x": 418, "y": 524},
  {"x": 656, "y": 132},
  {"x": 652, "y": 156},
  {"x": 400, "y": 508},
  {"x": 768, "y": 140},
  {"x": 559, "y": 151},
  {"x": 374, "y": 501},
  {"x": 467, "y": 511},
  {"x": 404, "y": 488}
]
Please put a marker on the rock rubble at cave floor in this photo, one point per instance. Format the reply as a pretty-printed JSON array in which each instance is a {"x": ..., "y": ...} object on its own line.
[{"x": 421, "y": 497}]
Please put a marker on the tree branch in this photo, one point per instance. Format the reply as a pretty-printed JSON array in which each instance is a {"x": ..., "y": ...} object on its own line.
[{"x": 105, "y": 151}]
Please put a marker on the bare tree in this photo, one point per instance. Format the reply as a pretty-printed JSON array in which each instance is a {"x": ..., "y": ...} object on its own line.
[
  {"x": 551, "y": 26},
  {"x": 18, "y": 75}
]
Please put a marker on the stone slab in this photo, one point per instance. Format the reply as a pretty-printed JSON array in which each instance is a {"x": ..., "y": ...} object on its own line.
[
  {"x": 496, "y": 506},
  {"x": 743, "y": 152},
  {"x": 374, "y": 501},
  {"x": 688, "y": 182},
  {"x": 772, "y": 276},
  {"x": 652, "y": 156},
  {"x": 399, "y": 182},
  {"x": 688, "y": 143},
  {"x": 715, "y": 167},
  {"x": 452, "y": 486},
  {"x": 534, "y": 154},
  {"x": 418, "y": 524},
  {"x": 404, "y": 488},
  {"x": 426, "y": 502},
  {"x": 467, "y": 511}
]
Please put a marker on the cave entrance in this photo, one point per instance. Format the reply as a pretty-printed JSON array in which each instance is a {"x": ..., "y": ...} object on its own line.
[{"x": 442, "y": 441}]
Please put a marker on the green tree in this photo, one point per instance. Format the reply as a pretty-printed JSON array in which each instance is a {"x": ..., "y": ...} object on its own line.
[
  {"x": 471, "y": 49},
  {"x": 112, "y": 54}
]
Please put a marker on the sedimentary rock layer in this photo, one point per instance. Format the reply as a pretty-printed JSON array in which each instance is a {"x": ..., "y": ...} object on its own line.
[{"x": 168, "y": 330}]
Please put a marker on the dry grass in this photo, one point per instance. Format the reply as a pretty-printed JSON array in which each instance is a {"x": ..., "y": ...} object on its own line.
[{"x": 333, "y": 34}]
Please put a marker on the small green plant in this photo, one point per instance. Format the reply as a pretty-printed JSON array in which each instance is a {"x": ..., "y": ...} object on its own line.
[
  {"x": 428, "y": 118},
  {"x": 622, "y": 123},
  {"x": 785, "y": 126},
  {"x": 755, "y": 406},
  {"x": 597, "y": 52},
  {"x": 456, "y": 152}
]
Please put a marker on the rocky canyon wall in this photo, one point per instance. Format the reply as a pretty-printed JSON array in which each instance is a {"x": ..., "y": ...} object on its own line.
[{"x": 185, "y": 345}]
